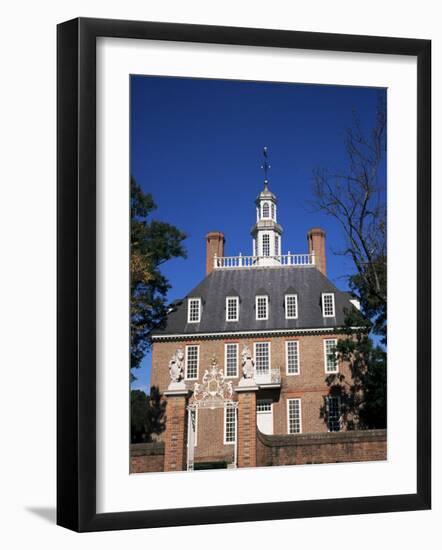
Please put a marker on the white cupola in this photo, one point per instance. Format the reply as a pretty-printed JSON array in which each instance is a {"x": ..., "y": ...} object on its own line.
[{"x": 266, "y": 232}]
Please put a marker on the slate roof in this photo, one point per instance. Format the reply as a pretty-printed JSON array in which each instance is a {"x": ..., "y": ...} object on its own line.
[{"x": 307, "y": 282}]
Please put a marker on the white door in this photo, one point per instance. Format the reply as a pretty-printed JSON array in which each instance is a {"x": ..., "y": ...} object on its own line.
[{"x": 264, "y": 417}]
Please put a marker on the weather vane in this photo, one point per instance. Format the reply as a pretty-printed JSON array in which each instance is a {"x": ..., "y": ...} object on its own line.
[{"x": 266, "y": 166}]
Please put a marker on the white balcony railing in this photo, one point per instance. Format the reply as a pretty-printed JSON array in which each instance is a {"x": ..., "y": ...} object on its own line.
[
  {"x": 284, "y": 260},
  {"x": 269, "y": 376}
]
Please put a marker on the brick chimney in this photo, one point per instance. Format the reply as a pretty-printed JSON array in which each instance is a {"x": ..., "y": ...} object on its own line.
[
  {"x": 214, "y": 245},
  {"x": 316, "y": 245}
]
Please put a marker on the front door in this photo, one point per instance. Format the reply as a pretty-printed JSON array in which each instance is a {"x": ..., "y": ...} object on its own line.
[{"x": 264, "y": 416}]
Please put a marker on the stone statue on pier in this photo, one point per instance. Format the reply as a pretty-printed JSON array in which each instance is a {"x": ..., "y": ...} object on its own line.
[
  {"x": 248, "y": 367},
  {"x": 176, "y": 370}
]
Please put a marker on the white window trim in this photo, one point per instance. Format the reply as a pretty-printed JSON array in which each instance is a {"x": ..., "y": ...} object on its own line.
[
  {"x": 227, "y": 308},
  {"x": 287, "y": 359},
  {"x": 189, "y": 300},
  {"x": 333, "y": 301},
  {"x": 276, "y": 242},
  {"x": 286, "y": 306},
  {"x": 197, "y": 361},
  {"x": 195, "y": 441},
  {"x": 225, "y": 426},
  {"x": 267, "y": 307},
  {"x": 225, "y": 359},
  {"x": 270, "y": 353},
  {"x": 288, "y": 415},
  {"x": 335, "y": 340}
]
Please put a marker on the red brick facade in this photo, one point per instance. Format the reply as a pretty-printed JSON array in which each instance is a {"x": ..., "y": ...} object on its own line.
[
  {"x": 309, "y": 386},
  {"x": 175, "y": 434},
  {"x": 146, "y": 457},
  {"x": 357, "y": 446},
  {"x": 247, "y": 429}
]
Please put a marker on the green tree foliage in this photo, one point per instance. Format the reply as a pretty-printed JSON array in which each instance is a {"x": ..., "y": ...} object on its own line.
[
  {"x": 147, "y": 415},
  {"x": 356, "y": 198},
  {"x": 364, "y": 396},
  {"x": 152, "y": 243}
]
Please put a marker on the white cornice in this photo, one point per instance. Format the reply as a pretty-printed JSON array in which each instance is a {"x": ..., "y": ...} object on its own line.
[{"x": 239, "y": 334}]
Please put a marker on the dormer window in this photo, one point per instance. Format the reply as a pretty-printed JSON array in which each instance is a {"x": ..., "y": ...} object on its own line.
[
  {"x": 265, "y": 210},
  {"x": 194, "y": 310},
  {"x": 262, "y": 308},
  {"x": 232, "y": 308},
  {"x": 291, "y": 306},
  {"x": 328, "y": 304}
]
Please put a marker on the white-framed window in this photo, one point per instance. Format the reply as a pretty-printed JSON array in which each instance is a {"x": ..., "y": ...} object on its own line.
[
  {"x": 330, "y": 355},
  {"x": 294, "y": 421},
  {"x": 292, "y": 356},
  {"x": 265, "y": 210},
  {"x": 232, "y": 308},
  {"x": 229, "y": 425},
  {"x": 276, "y": 245},
  {"x": 328, "y": 304},
  {"x": 231, "y": 360},
  {"x": 291, "y": 306},
  {"x": 262, "y": 357},
  {"x": 262, "y": 308},
  {"x": 266, "y": 245},
  {"x": 194, "y": 421},
  {"x": 273, "y": 211},
  {"x": 192, "y": 362},
  {"x": 333, "y": 413},
  {"x": 194, "y": 310}
]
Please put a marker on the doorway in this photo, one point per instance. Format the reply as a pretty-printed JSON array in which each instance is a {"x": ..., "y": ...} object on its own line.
[{"x": 264, "y": 416}]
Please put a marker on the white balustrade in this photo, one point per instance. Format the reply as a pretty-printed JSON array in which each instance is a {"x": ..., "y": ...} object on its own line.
[
  {"x": 269, "y": 376},
  {"x": 283, "y": 260}
]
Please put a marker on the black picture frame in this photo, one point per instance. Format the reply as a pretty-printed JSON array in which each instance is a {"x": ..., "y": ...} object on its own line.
[{"x": 76, "y": 271}]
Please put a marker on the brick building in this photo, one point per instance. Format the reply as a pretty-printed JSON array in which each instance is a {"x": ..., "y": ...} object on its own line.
[{"x": 249, "y": 349}]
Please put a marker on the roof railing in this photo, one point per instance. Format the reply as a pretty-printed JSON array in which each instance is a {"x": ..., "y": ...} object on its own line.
[{"x": 283, "y": 260}]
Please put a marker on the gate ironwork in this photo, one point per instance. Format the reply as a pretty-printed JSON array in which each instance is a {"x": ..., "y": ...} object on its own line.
[{"x": 214, "y": 392}]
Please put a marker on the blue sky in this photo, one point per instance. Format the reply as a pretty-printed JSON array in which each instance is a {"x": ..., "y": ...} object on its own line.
[{"x": 196, "y": 146}]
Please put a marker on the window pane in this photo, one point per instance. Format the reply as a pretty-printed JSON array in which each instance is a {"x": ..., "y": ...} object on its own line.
[
  {"x": 230, "y": 425},
  {"x": 261, "y": 307},
  {"x": 231, "y": 359},
  {"x": 262, "y": 362},
  {"x": 191, "y": 361},
  {"x": 264, "y": 406},
  {"x": 266, "y": 245},
  {"x": 331, "y": 361},
  {"x": 333, "y": 414},
  {"x": 292, "y": 357},
  {"x": 328, "y": 305},
  {"x": 232, "y": 309},
  {"x": 265, "y": 210},
  {"x": 294, "y": 416},
  {"x": 194, "y": 310},
  {"x": 291, "y": 305}
]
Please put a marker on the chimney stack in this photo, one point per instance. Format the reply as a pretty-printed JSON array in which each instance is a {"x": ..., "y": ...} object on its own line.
[
  {"x": 214, "y": 246},
  {"x": 316, "y": 245}
]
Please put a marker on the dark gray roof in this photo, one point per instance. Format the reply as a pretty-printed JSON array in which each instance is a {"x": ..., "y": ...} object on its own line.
[{"x": 307, "y": 282}]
